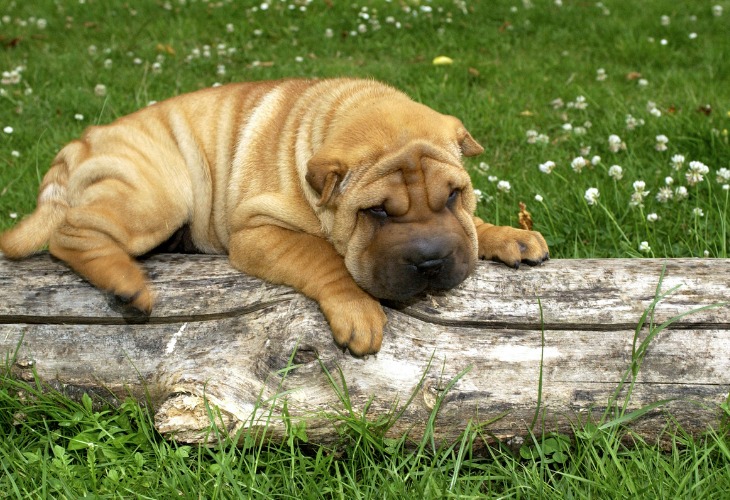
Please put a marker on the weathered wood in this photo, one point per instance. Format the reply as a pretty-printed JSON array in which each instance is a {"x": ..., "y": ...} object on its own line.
[{"x": 220, "y": 336}]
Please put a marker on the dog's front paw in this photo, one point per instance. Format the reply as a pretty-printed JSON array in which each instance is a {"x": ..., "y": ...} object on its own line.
[
  {"x": 357, "y": 321},
  {"x": 512, "y": 246}
]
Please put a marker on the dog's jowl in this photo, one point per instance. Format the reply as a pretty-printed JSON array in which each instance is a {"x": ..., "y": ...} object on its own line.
[{"x": 345, "y": 189}]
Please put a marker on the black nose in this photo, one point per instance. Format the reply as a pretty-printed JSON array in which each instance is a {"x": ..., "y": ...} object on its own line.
[{"x": 430, "y": 268}]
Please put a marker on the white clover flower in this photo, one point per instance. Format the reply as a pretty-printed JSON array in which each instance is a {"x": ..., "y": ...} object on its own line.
[
  {"x": 482, "y": 168},
  {"x": 156, "y": 67},
  {"x": 639, "y": 186},
  {"x": 230, "y": 28},
  {"x": 677, "y": 162},
  {"x": 615, "y": 172},
  {"x": 580, "y": 131},
  {"x": 601, "y": 75},
  {"x": 578, "y": 163},
  {"x": 655, "y": 112},
  {"x": 692, "y": 35},
  {"x": 11, "y": 77},
  {"x": 41, "y": 23},
  {"x": 640, "y": 192},
  {"x": 567, "y": 127},
  {"x": 726, "y": 187},
  {"x": 668, "y": 181},
  {"x": 585, "y": 150},
  {"x": 697, "y": 212},
  {"x": 652, "y": 217},
  {"x": 644, "y": 247},
  {"x": 100, "y": 90},
  {"x": 717, "y": 10},
  {"x": 723, "y": 175},
  {"x": 696, "y": 172},
  {"x": 615, "y": 144},
  {"x": 531, "y": 136},
  {"x": 637, "y": 199},
  {"x": 79, "y": 117},
  {"x": 264, "y": 6},
  {"x": 665, "y": 194},
  {"x": 8, "y": 129},
  {"x": 663, "y": 41},
  {"x": 557, "y": 103},
  {"x": 592, "y": 195},
  {"x": 706, "y": 253},
  {"x": 665, "y": 21},
  {"x": 642, "y": 82},
  {"x": 108, "y": 63},
  {"x": 13, "y": 215},
  {"x": 632, "y": 123},
  {"x": 328, "y": 33},
  {"x": 92, "y": 50},
  {"x": 681, "y": 193},
  {"x": 661, "y": 142},
  {"x": 542, "y": 139},
  {"x": 693, "y": 177},
  {"x": 538, "y": 198},
  {"x": 492, "y": 178},
  {"x": 596, "y": 160},
  {"x": 478, "y": 195},
  {"x": 15, "y": 154},
  {"x": 580, "y": 102},
  {"x": 504, "y": 186},
  {"x": 547, "y": 167}
]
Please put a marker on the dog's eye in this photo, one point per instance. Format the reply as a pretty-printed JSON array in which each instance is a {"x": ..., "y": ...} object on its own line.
[
  {"x": 378, "y": 212},
  {"x": 452, "y": 196}
]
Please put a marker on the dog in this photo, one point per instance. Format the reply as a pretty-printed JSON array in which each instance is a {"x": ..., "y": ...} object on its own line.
[{"x": 345, "y": 189}]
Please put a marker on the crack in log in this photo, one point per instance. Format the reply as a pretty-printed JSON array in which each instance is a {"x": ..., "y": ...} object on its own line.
[
  {"x": 524, "y": 326},
  {"x": 133, "y": 318},
  {"x": 17, "y": 319}
]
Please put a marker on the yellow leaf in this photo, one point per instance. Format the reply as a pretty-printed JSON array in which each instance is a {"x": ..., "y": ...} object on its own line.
[{"x": 442, "y": 61}]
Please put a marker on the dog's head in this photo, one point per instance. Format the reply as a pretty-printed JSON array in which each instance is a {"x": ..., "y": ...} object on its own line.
[{"x": 400, "y": 203}]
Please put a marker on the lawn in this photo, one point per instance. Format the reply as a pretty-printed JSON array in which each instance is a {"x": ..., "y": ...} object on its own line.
[{"x": 609, "y": 120}]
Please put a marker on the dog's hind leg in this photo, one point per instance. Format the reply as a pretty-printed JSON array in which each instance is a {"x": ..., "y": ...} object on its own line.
[
  {"x": 100, "y": 236},
  {"x": 103, "y": 262}
]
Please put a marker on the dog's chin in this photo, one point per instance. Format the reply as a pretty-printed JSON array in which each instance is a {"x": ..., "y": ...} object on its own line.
[{"x": 410, "y": 288}]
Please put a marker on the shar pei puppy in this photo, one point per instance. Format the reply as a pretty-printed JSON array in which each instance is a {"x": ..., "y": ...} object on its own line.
[{"x": 344, "y": 189}]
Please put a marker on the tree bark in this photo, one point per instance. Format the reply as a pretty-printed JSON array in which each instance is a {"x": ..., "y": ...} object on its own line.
[{"x": 472, "y": 356}]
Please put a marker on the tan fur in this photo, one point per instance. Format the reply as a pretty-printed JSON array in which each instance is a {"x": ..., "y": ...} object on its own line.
[{"x": 281, "y": 176}]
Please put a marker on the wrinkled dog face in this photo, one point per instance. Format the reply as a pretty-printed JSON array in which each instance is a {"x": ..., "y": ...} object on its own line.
[
  {"x": 419, "y": 237},
  {"x": 399, "y": 198}
]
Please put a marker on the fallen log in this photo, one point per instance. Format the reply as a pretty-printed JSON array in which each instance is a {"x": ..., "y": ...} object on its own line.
[{"x": 474, "y": 355}]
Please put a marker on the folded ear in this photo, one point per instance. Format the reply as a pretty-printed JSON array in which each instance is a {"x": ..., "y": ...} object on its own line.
[
  {"x": 324, "y": 172},
  {"x": 467, "y": 144},
  {"x": 469, "y": 147}
]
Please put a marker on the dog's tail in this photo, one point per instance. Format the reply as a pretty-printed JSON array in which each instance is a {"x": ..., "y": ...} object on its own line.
[{"x": 34, "y": 231}]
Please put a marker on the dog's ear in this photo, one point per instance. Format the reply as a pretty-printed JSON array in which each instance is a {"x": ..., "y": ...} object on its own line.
[
  {"x": 469, "y": 147},
  {"x": 324, "y": 172},
  {"x": 467, "y": 144}
]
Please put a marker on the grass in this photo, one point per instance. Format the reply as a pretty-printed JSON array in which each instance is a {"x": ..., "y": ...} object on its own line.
[{"x": 510, "y": 65}]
